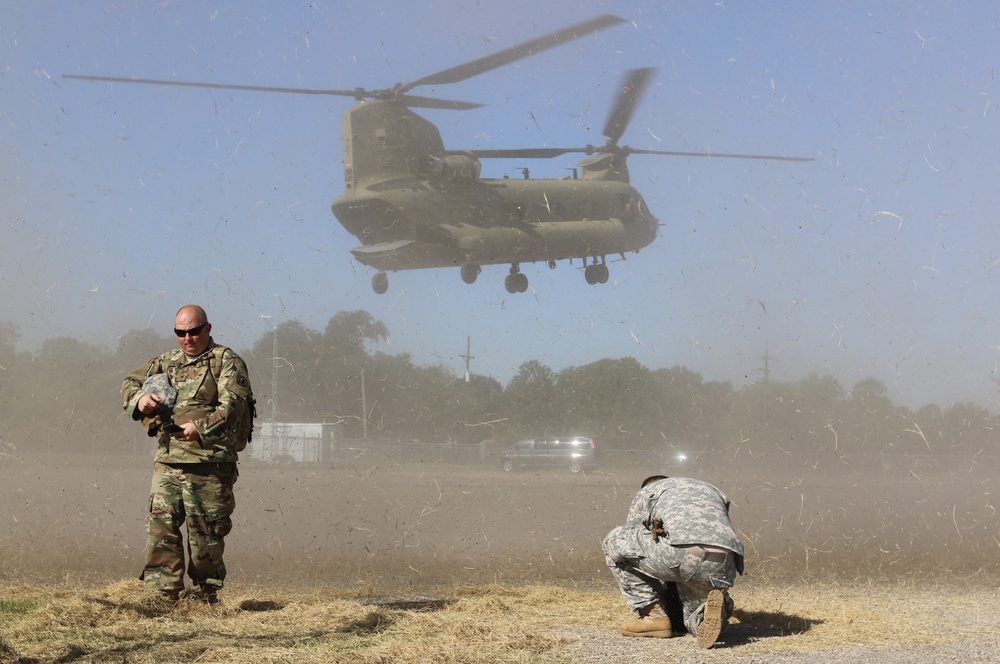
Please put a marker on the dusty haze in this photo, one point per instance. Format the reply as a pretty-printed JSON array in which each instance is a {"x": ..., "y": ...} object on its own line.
[
  {"x": 371, "y": 521},
  {"x": 874, "y": 260}
]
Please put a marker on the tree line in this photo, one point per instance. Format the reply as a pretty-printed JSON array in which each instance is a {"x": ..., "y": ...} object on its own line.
[{"x": 64, "y": 397}]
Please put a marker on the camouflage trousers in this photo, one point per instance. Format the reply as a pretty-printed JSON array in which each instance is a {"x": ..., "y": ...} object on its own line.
[
  {"x": 644, "y": 567},
  {"x": 201, "y": 494}
]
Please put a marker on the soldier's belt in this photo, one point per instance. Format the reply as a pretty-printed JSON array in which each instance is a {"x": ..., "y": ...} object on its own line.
[{"x": 710, "y": 556}]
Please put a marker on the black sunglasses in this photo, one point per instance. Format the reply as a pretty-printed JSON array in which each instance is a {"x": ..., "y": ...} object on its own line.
[{"x": 194, "y": 331}]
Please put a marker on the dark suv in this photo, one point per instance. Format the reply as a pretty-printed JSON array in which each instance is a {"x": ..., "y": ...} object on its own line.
[{"x": 574, "y": 452}]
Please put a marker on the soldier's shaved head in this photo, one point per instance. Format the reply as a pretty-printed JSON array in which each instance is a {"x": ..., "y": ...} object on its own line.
[{"x": 194, "y": 310}]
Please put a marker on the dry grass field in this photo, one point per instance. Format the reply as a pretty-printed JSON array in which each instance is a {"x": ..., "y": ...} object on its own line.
[{"x": 374, "y": 562}]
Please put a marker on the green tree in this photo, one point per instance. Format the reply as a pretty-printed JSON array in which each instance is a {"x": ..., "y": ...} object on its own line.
[
  {"x": 529, "y": 401},
  {"x": 342, "y": 356},
  {"x": 316, "y": 377},
  {"x": 283, "y": 371},
  {"x": 10, "y": 380},
  {"x": 608, "y": 398},
  {"x": 873, "y": 423},
  {"x": 971, "y": 428},
  {"x": 675, "y": 391},
  {"x": 72, "y": 389},
  {"x": 137, "y": 346},
  {"x": 392, "y": 394}
]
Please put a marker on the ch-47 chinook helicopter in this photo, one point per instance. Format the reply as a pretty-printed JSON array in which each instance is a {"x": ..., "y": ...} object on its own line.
[{"x": 414, "y": 204}]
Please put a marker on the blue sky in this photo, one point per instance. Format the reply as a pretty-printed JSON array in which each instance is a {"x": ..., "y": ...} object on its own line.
[{"x": 876, "y": 259}]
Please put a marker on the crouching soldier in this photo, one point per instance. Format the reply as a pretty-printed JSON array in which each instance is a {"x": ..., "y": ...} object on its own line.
[{"x": 676, "y": 555}]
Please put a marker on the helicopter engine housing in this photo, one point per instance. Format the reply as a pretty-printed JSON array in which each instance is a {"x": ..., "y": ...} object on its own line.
[{"x": 454, "y": 167}]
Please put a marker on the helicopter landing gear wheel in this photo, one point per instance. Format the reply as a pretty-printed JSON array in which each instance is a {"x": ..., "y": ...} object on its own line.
[
  {"x": 380, "y": 283},
  {"x": 516, "y": 282},
  {"x": 469, "y": 272},
  {"x": 597, "y": 273}
]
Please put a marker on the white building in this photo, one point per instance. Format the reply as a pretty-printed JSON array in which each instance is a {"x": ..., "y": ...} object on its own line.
[{"x": 304, "y": 442}]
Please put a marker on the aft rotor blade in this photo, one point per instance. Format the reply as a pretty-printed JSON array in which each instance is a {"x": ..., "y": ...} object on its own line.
[
  {"x": 634, "y": 85},
  {"x": 518, "y": 52},
  {"x": 548, "y": 153},
  {"x": 525, "y": 153},
  {"x": 726, "y": 155},
  {"x": 216, "y": 86}
]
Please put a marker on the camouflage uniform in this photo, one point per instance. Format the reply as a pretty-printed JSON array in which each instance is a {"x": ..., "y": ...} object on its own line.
[
  {"x": 192, "y": 480},
  {"x": 693, "y": 513}
]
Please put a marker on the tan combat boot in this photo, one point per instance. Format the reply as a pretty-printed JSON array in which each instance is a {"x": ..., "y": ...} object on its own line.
[
  {"x": 714, "y": 619},
  {"x": 652, "y": 621}
]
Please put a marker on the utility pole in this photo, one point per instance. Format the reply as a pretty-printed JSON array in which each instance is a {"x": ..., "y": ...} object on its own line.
[
  {"x": 767, "y": 382},
  {"x": 767, "y": 364},
  {"x": 467, "y": 357},
  {"x": 274, "y": 371}
]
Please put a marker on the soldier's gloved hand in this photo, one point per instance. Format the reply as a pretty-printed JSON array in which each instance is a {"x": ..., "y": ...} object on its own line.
[{"x": 657, "y": 530}]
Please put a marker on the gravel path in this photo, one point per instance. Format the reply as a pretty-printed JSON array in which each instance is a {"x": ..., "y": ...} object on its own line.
[
  {"x": 932, "y": 625},
  {"x": 603, "y": 648}
]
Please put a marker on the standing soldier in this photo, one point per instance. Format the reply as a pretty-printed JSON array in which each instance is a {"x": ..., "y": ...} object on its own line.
[
  {"x": 197, "y": 401},
  {"x": 676, "y": 542}
]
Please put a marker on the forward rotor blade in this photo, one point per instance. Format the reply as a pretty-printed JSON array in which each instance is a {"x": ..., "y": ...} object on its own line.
[
  {"x": 416, "y": 101},
  {"x": 217, "y": 86},
  {"x": 672, "y": 153},
  {"x": 518, "y": 52},
  {"x": 621, "y": 113}
]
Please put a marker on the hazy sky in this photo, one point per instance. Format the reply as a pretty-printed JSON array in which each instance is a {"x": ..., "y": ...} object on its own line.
[{"x": 122, "y": 202}]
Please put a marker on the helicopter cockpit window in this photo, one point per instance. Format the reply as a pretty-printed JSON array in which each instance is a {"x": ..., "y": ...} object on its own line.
[{"x": 645, "y": 211}]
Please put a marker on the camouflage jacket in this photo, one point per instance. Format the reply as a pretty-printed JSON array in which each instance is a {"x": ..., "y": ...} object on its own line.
[
  {"x": 692, "y": 511},
  {"x": 208, "y": 388}
]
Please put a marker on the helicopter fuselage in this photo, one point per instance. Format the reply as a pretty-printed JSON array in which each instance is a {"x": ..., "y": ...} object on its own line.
[
  {"x": 413, "y": 205},
  {"x": 410, "y": 222}
]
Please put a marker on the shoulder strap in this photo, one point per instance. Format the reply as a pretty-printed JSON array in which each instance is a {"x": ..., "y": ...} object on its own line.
[{"x": 215, "y": 361}]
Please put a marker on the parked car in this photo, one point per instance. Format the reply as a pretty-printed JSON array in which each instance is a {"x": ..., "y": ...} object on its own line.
[{"x": 574, "y": 452}]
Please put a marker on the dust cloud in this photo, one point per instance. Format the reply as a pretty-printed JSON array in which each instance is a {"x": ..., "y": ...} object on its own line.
[
  {"x": 371, "y": 521},
  {"x": 874, "y": 260}
]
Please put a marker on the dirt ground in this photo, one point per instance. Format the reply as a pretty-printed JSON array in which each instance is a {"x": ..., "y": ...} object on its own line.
[
  {"x": 70, "y": 519},
  {"x": 400, "y": 531}
]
